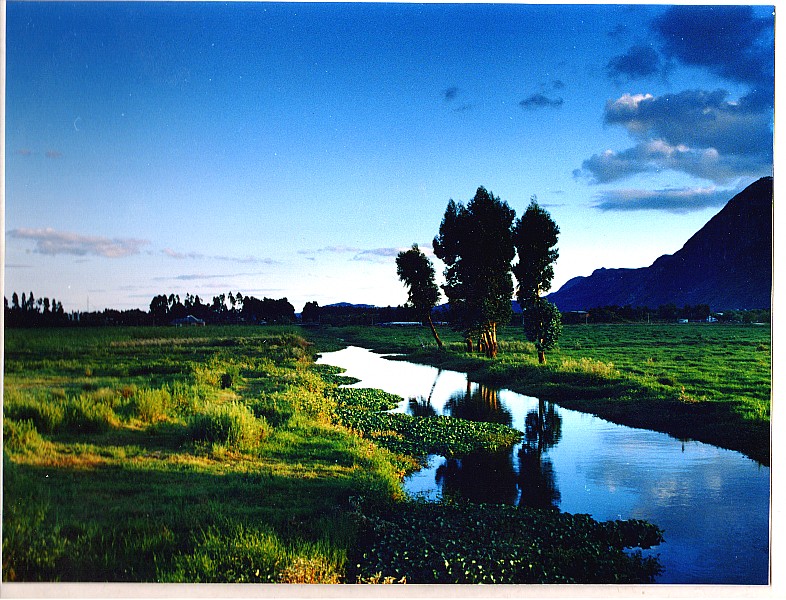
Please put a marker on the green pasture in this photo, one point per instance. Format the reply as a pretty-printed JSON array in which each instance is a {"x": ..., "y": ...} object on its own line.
[{"x": 224, "y": 454}]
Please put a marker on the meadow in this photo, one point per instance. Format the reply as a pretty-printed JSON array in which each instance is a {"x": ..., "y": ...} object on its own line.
[
  {"x": 225, "y": 454},
  {"x": 709, "y": 382}
]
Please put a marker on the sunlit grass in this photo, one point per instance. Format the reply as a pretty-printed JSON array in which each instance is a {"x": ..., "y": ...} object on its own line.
[{"x": 143, "y": 455}]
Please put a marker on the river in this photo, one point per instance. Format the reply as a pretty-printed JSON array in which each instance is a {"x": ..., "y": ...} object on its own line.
[{"x": 713, "y": 504}]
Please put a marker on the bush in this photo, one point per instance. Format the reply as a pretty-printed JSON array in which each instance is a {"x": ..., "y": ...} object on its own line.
[{"x": 232, "y": 425}]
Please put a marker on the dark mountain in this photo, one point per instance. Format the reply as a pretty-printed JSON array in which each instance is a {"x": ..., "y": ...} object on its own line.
[{"x": 726, "y": 264}]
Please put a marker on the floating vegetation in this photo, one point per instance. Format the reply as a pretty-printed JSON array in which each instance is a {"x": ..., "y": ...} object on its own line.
[
  {"x": 365, "y": 398},
  {"x": 483, "y": 543},
  {"x": 419, "y": 436}
]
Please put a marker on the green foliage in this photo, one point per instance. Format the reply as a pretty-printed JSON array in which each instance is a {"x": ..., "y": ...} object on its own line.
[
  {"x": 232, "y": 425},
  {"x": 21, "y": 436},
  {"x": 415, "y": 270},
  {"x": 535, "y": 235},
  {"x": 46, "y": 414},
  {"x": 365, "y": 398},
  {"x": 31, "y": 550},
  {"x": 153, "y": 405},
  {"x": 84, "y": 415},
  {"x": 476, "y": 244},
  {"x": 419, "y": 436},
  {"x": 246, "y": 555},
  {"x": 542, "y": 324},
  {"x": 467, "y": 543}
]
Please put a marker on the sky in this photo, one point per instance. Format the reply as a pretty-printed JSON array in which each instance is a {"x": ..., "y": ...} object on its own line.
[{"x": 292, "y": 150}]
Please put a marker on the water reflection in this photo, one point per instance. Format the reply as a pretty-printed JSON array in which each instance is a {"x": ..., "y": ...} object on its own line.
[
  {"x": 478, "y": 403},
  {"x": 712, "y": 503},
  {"x": 524, "y": 476}
]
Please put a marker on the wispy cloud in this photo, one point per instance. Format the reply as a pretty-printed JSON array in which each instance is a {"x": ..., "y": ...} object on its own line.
[
  {"x": 52, "y": 242},
  {"x": 199, "y": 256},
  {"x": 53, "y": 154},
  {"x": 451, "y": 96},
  {"x": 204, "y": 276},
  {"x": 359, "y": 254},
  {"x": 539, "y": 100},
  {"x": 676, "y": 200}
]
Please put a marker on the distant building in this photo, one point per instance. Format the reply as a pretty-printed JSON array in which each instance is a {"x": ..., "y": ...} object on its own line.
[{"x": 189, "y": 320}]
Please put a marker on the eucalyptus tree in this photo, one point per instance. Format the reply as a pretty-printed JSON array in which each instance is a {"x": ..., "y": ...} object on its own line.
[
  {"x": 535, "y": 238},
  {"x": 417, "y": 273},
  {"x": 476, "y": 244}
]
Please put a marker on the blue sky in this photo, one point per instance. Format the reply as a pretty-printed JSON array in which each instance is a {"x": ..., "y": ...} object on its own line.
[{"x": 293, "y": 149}]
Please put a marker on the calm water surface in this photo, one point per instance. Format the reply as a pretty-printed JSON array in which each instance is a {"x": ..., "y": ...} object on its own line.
[{"x": 713, "y": 504}]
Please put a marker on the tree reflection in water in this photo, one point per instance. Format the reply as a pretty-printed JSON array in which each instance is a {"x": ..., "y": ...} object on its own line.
[{"x": 492, "y": 477}]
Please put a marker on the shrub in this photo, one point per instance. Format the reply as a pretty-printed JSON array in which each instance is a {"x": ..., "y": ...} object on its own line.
[
  {"x": 206, "y": 376},
  {"x": 232, "y": 425}
]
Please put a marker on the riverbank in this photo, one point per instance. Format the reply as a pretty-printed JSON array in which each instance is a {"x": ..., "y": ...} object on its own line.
[{"x": 707, "y": 382}]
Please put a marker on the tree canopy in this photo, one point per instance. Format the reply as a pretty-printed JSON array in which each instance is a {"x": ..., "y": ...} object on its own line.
[
  {"x": 535, "y": 237},
  {"x": 476, "y": 244},
  {"x": 417, "y": 273}
]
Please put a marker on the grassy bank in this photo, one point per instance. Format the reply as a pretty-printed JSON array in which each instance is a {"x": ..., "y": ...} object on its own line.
[
  {"x": 224, "y": 454},
  {"x": 708, "y": 382},
  {"x": 177, "y": 455}
]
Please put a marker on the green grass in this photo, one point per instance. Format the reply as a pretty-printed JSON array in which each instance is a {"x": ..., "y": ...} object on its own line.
[
  {"x": 216, "y": 454},
  {"x": 709, "y": 382},
  {"x": 130, "y": 456}
]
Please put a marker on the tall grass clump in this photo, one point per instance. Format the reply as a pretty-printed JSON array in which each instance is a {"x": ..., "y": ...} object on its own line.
[
  {"x": 232, "y": 425},
  {"x": 83, "y": 414},
  {"x": 46, "y": 414},
  {"x": 21, "y": 436},
  {"x": 251, "y": 555},
  {"x": 153, "y": 405},
  {"x": 597, "y": 369}
]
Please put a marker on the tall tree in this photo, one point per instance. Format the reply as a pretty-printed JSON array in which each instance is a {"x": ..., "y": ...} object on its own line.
[
  {"x": 535, "y": 237},
  {"x": 417, "y": 273},
  {"x": 310, "y": 312},
  {"x": 476, "y": 244}
]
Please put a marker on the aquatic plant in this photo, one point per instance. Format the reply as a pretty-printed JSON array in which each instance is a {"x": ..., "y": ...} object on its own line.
[{"x": 485, "y": 543}]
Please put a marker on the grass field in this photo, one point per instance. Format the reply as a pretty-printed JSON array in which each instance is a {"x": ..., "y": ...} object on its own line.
[
  {"x": 709, "y": 382},
  {"x": 224, "y": 454}
]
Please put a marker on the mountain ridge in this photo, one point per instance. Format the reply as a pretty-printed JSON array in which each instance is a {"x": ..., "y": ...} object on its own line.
[{"x": 727, "y": 264}]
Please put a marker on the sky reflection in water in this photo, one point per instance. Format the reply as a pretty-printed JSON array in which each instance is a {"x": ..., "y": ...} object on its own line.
[{"x": 712, "y": 503}]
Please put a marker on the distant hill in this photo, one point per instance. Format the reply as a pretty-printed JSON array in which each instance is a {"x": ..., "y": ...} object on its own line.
[
  {"x": 727, "y": 264},
  {"x": 348, "y": 305}
]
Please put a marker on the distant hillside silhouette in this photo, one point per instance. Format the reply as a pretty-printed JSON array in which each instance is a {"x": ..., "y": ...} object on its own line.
[{"x": 727, "y": 264}]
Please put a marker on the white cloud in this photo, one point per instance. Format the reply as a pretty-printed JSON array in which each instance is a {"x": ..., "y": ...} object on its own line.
[{"x": 52, "y": 242}]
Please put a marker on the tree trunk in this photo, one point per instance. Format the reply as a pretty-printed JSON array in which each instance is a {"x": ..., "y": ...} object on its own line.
[
  {"x": 434, "y": 332},
  {"x": 541, "y": 357},
  {"x": 469, "y": 344}
]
